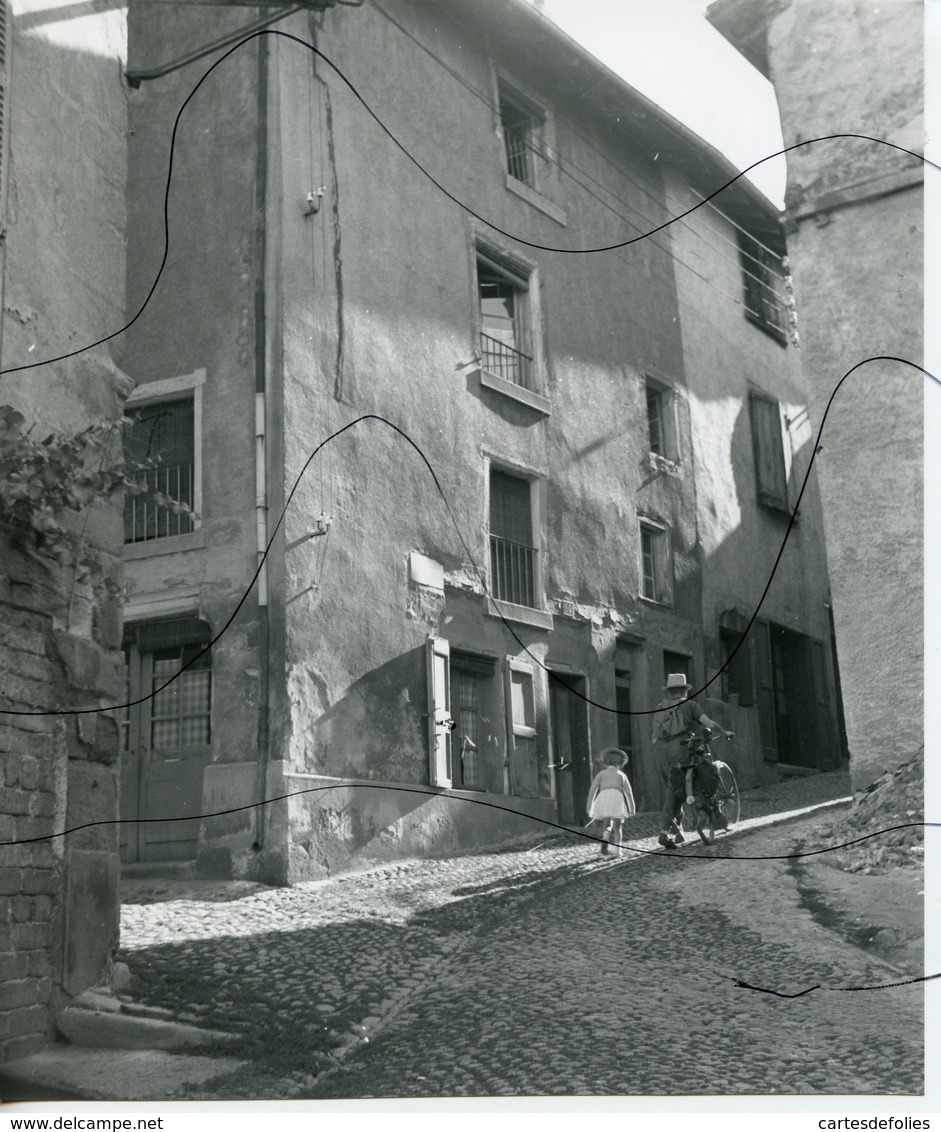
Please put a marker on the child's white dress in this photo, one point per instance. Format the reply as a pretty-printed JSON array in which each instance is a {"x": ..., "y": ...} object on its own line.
[{"x": 610, "y": 795}]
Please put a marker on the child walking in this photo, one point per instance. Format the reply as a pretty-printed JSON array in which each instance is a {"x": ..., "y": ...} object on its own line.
[{"x": 610, "y": 798}]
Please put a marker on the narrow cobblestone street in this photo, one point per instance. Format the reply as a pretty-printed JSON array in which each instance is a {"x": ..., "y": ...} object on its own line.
[{"x": 547, "y": 969}]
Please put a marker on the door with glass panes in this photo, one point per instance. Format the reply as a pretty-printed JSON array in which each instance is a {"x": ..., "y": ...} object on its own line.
[{"x": 167, "y": 740}]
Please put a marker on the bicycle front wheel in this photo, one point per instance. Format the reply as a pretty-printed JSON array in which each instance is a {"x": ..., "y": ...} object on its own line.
[{"x": 726, "y": 796}]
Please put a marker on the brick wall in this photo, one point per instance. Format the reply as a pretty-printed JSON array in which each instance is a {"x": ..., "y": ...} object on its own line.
[
  {"x": 31, "y": 781},
  {"x": 58, "y": 896}
]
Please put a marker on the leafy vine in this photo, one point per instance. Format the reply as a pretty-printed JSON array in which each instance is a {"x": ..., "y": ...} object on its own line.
[{"x": 47, "y": 484}]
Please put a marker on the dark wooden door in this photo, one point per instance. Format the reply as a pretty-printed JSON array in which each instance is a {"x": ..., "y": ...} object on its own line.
[
  {"x": 570, "y": 753},
  {"x": 764, "y": 673}
]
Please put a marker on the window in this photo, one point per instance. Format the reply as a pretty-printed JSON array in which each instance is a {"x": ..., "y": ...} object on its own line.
[
  {"x": 661, "y": 430},
  {"x": 763, "y": 277},
  {"x": 521, "y": 122},
  {"x": 503, "y": 296},
  {"x": 512, "y": 554},
  {"x": 678, "y": 662},
  {"x": 768, "y": 445},
  {"x": 166, "y": 423},
  {"x": 656, "y": 563}
]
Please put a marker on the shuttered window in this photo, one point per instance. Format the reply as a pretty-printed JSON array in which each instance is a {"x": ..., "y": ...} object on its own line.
[{"x": 768, "y": 445}]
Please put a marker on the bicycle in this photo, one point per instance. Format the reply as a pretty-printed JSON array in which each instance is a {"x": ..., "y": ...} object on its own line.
[{"x": 707, "y": 811}]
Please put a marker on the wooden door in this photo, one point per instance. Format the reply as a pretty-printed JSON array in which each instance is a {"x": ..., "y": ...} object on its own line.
[
  {"x": 169, "y": 745},
  {"x": 570, "y": 748},
  {"x": 765, "y": 681}
]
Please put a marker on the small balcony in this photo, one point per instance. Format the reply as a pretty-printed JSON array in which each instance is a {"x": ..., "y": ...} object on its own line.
[{"x": 505, "y": 361}]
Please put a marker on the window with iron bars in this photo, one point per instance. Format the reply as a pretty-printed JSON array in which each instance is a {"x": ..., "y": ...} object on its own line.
[
  {"x": 521, "y": 123},
  {"x": 763, "y": 277},
  {"x": 512, "y": 554},
  {"x": 164, "y": 429},
  {"x": 503, "y": 297}
]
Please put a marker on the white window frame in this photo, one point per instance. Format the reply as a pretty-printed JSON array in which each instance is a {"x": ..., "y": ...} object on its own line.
[
  {"x": 668, "y": 408},
  {"x": 661, "y": 531},
  {"x": 542, "y": 152},
  {"x": 525, "y": 275},
  {"x": 153, "y": 393}
]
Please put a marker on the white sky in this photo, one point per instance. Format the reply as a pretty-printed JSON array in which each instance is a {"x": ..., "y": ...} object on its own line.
[{"x": 668, "y": 51}]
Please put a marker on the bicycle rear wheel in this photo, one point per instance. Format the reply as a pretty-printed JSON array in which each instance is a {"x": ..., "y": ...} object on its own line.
[
  {"x": 697, "y": 816},
  {"x": 726, "y": 796}
]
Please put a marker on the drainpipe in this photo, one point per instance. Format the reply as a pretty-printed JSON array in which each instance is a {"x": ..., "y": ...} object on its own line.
[{"x": 261, "y": 486}]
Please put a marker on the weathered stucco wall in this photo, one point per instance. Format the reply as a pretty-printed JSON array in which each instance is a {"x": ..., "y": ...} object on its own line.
[
  {"x": 857, "y": 265},
  {"x": 203, "y": 316},
  {"x": 380, "y": 286},
  {"x": 377, "y": 315},
  {"x": 63, "y": 286},
  {"x": 725, "y": 358}
]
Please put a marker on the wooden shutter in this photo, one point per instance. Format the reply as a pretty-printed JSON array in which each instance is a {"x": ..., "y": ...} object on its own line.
[
  {"x": 766, "y": 715},
  {"x": 768, "y": 444},
  {"x": 663, "y": 554},
  {"x": 439, "y": 712},
  {"x": 511, "y": 508}
]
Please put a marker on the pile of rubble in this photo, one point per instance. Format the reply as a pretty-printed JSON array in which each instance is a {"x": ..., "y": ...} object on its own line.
[{"x": 895, "y": 799}]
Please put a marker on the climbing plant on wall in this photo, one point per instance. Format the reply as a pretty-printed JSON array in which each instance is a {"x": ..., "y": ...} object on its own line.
[{"x": 48, "y": 485}]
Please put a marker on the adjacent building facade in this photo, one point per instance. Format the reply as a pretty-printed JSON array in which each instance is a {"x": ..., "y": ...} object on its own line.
[
  {"x": 508, "y": 481},
  {"x": 855, "y": 218},
  {"x": 63, "y": 160}
]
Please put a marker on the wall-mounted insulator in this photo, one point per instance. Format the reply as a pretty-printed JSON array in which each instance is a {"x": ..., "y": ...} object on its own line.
[
  {"x": 314, "y": 198},
  {"x": 321, "y": 525}
]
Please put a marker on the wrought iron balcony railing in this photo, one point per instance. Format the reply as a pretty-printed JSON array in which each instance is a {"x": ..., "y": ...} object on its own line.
[{"x": 505, "y": 361}]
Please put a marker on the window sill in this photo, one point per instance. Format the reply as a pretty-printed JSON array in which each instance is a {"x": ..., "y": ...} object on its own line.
[
  {"x": 766, "y": 328},
  {"x": 652, "y": 601},
  {"x": 521, "y": 614},
  {"x": 515, "y": 392},
  {"x": 658, "y": 463},
  {"x": 172, "y": 544},
  {"x": 775, "y": 507},
  {"x": 536, "y": 199}
]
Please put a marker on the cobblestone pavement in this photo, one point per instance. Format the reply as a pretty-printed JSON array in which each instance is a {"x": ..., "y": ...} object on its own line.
[{"x": 545, "y": 969}]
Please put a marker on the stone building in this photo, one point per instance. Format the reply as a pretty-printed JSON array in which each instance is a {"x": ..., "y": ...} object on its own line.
[
  {"x": 599, "y": 449},
  {"x": 62, "y": 206},
  {"x": 855, "y": 239}
]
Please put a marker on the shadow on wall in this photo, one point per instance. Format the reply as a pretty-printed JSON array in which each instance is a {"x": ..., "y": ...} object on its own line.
[
  {"x": 793, "y": 709},
  {"x": 378, "y": 728}
]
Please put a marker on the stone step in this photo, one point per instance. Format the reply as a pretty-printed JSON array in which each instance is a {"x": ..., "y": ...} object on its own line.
[{"x": 103, "y": 1022}]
